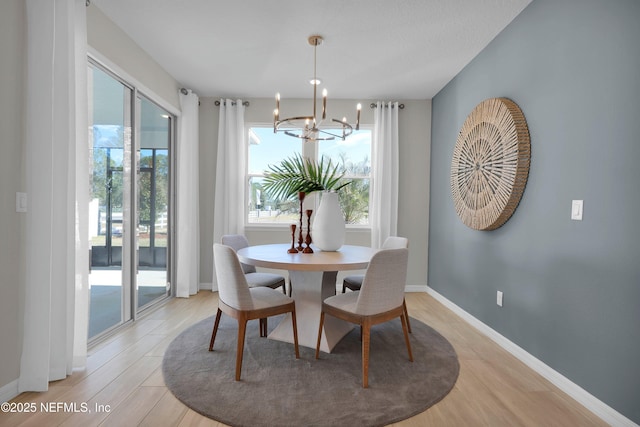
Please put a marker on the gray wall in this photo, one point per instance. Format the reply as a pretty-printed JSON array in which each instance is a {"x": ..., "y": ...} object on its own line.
[
  {"x": 414, "y": 134},
  {"x": 571, "y": 288},
  {"x": 12, "y": 80}
]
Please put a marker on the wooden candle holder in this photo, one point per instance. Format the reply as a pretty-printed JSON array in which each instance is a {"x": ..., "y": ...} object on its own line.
[
  {"x": 308, "y": 249},
  {"x": 293, "y": 249},
  {"x": 301, "y": 198}
]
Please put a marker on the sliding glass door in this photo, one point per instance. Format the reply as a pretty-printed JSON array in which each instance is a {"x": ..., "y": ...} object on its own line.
[
  {"x": 153, "y": 179},
  {"x": 130, "y": 141}
]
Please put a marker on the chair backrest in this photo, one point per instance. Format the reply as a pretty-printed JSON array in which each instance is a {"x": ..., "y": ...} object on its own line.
[
  {"x": 394, "y": 242},
  {"x": 384, "y": 282},
  {"x": 232, "y": 285},
  {"x": 237, "y": 242}
]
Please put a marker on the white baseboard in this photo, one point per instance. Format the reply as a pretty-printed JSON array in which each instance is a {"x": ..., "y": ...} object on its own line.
[
  {"x": 416, "y": 288},
  {"x": 592, "y": 403},
  {"x": 9, "y": 391},
  {"x": 205, "y": 286}
]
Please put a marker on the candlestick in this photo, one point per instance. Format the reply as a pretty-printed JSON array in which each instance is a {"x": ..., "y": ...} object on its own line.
[
  {"x": 358, "y": 108},
  {"x": 308, "y": 249},
  {"x": 293, "y": 249},
  {"x": 301, "y": 197}
]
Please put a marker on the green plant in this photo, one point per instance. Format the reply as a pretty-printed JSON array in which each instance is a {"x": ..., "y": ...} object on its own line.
[{"x": 297, "y": 174}]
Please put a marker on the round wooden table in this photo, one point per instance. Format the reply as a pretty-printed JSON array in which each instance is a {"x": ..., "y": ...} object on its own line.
[{"x": 313, "y": 278}]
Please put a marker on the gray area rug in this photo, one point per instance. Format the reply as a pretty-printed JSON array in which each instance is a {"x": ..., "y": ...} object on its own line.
[{"x": 278, "y": 390}]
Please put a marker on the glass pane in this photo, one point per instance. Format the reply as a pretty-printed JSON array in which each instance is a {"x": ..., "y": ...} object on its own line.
[
  {"x": 354, "y": 153},
  {"x": 153, "y": 201},
  {"x": 354, "y": 200},
  {"x": 109, "y": 143},
  {"x": 267, "y": 148},
  {"x": 354, "y": 156},
  {"x": 265, "y": 210}
]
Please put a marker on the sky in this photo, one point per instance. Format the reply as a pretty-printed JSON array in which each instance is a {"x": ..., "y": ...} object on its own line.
[{"x": 271, "y": 148}]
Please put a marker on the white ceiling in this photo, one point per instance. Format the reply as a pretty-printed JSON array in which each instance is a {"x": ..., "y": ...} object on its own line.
[{"x": 373, "y": 49}]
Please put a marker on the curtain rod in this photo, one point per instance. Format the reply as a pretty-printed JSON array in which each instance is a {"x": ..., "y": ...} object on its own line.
[
  {"x": 245, "y": 103},
  {"x": 373, "y": 105}
]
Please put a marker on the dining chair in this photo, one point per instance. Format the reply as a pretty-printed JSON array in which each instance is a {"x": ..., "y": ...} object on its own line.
[
  {"x": 354, "y": 281},
  {"x": 238, "y": 300},
  {"x": 380, "y": 299},
  {"x": 254, "y": 278}
]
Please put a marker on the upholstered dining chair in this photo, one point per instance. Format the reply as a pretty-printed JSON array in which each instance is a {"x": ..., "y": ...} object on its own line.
[
  {"x": 254, "y": 279},
  {"x": 379, "y": 300},
  {"x": 354, "y": 281},
  {"x": 238, "y": 300}
]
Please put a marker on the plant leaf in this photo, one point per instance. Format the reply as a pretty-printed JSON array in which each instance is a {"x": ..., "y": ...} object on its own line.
[{"x": 298, "y": 174}]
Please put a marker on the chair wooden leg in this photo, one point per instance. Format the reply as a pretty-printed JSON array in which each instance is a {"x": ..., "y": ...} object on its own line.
[
  {"x": 405, "y": 329},
  {"x": 242, "y": 328},
  {"x": 284, "y": 288},
  {"x": 319, "y": 335},
  {"x": 215, "y": 329},
  {"x": 366, "y": 339},
  {"x": 295, "y": 332},
  {"x": 344, "y": 288},
  {"x": 406, "y": 314}
]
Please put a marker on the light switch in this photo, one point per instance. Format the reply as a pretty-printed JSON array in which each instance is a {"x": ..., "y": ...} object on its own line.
[
  {"x": 576, "y": 210},
  {"x": 21, "y": 202}
]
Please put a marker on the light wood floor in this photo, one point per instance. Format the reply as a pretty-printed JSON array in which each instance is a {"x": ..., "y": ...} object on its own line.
[{"x": 124, "y": 372}]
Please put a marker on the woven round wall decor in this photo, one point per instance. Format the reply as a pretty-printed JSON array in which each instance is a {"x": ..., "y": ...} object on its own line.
[{"x": 490, "y": 164}]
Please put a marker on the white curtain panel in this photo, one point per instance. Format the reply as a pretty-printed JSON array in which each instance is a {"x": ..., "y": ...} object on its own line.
[
  {"x": 57, "y": 179},
  {"x": 385, "y": 162},
  {"x": 188, "y": 219},
  {"x": 229, "y": 196}
]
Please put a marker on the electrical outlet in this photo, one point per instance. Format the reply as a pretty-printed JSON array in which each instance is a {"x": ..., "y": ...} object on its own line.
[
  {"x": 576, "y": 210},
  {"x": 499, "y": 298},
  {"x": 21, "y": 202}
]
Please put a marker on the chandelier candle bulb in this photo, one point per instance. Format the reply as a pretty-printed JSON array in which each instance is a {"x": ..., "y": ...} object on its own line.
[
  {"x": 324, "y": 104},
  {"x": 276, "y": 113}
]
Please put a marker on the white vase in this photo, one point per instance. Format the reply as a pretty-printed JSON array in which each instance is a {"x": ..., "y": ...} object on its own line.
[{"x": 328, "y": 225}]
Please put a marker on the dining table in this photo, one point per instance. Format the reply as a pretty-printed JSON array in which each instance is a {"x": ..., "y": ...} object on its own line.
[{"x": 313, "y": 279}]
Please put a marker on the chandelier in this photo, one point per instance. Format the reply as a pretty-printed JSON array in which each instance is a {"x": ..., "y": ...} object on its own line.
[{"x": 309, "y": 128}]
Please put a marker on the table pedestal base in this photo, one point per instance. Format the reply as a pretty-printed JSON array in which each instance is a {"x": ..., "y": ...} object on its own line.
[{"x": 308, "y": 294}]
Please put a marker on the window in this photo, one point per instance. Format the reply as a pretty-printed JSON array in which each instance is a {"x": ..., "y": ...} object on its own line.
[{"x": 353, "y": 155}]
